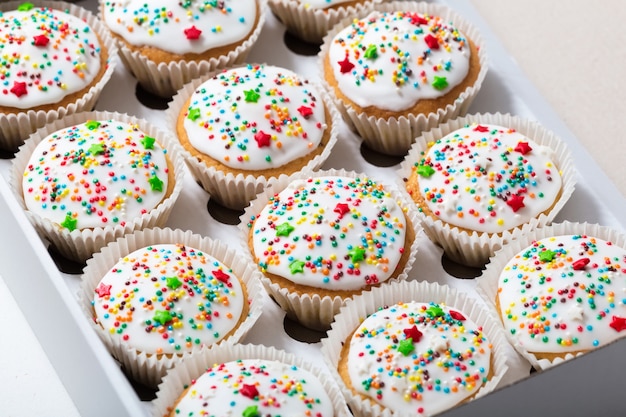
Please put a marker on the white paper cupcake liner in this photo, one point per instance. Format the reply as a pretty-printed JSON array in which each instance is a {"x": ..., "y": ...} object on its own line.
[
  {"x": 79, "y": 245},
  {"x": 394, "y": 136},
  {"x": 178, "y": 378},
  {"x": 488, "y": 282},
  {"x": 236, "y": 191},
  {"x": 16, "y": 127},
  {"x": 506, "y": 365},
  {"x": 165, "y": 79},
  {"x": 312, "y": 310},
  {"x": 311, "y": 24},
  {"x": 474, "y": 249},
  {"x": 146, "y": 367}
]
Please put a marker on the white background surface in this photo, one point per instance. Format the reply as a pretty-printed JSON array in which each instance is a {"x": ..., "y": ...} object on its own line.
[
  {"x": 573, "y": 52},
  {"x": 577, "y": 71}
]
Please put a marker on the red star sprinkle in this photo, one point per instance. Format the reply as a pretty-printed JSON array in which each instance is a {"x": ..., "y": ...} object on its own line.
[
  {"x": 19, "y": 89},
  {"x": 418, "y": 20},
  {"x": 515, "y": 202},
  {"x": 456, "y": 315},
  {"x": 305, "y": 111},
  {"x": 580, "y": 264},
  {"x": 262, "y": 139},
  {"x": 618, "y": 323},
  {"x": 342, "y": 209},
  {"x": 192, "y": 33},
  {"x": 431, "y": 41},
  {"x": 523, "y": 148},
  {"x": 249, "y": 391},
  {"x": 413, "y": 333},
  {"x": 220, "y": 275},
  {"x": 480, "y": 128},
  {"x": 345, "y": 65},
  {"x": 41, "y": 40},
  {"x": 103, "y": 290}
]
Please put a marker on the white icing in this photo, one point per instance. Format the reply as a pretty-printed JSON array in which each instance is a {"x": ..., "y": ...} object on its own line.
[
  {"x": 224, "y": 117},
  {"x": 281, "y": 390},
  {"x": 96, "y": 176},
  {"x": 396, "y": 78},
  {"x": 462, "y": 195},
  {"x": 162, "y": 23},
  {"x": 544, "y": 301},
  {"x": 47, "y": 54},
  {"x": 334, "y": 251},
  {"x": 447, "y": 363},
  {"x": 203, "y": 305}
]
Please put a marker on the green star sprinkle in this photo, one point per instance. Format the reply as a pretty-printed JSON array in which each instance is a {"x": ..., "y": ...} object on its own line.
[
  {"x": 148, "y": 142},
  {"x": 194, "y": 114},
  {"x": 92, "y": 124},
  {"x": 371, "y": 52},
  {"x": 296, "y": 266},
  {"x": 406, "y": 346},
  {"x": 155, "y": 183},
  {"x": 546, "y": 255},
  {"x": 425, "y": 170},
  {"x": 173, "y": 282},
  {"x": 435, "y": 311},
  {"x": 251, "y": 411},
  {"x": 24, "y": 7},
  {"x": 162, "y": 316},
  {"x": 357, "y": 254},
  {"x": 96, "y": 149},
  {"x": 69, "y": 222},
  {"x": 284, "y": 229},
  {"x": 440, "y": 83},
  {"x": 252, "y": 96}
]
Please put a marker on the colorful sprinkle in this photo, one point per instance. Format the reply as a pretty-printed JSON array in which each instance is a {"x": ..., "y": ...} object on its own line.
[
  {"x": 256, "y": 117},
  {"x": 336, "y": 233},
  {"x": 168, "y": 298},
  {"x": 47, "y": 54},
  {"x": 192, "y": 33},
  {"x": 95, "y": 174},
  {"x": 564, "y": 294},
  {"x": 255, "y": 388},
  {"x": 474, "y": 179},
  {"x": 415, "y": 358}
]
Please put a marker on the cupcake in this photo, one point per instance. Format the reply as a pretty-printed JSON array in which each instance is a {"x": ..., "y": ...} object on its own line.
[
  {"x": 160, "y": 295},
  {"x": 56, "y": 61},
  {"x": 310, "y": 20},
  {"x": 248, "y": 380},
  {"x": 244, "y": 127},
  {"x": 400, "y": 70},
  {"x": 167, "y": 44},
  {"x": 414, "y": 348},
  {"x": 323, "y": 237},
  {"x": 90, "y": 178},
  {"x": 559, "y": 291},
  {"x": 481, "y": 180}
]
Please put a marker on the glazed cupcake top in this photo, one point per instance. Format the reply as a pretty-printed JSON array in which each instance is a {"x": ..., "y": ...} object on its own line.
[
  {"x": 255, "y": 117},
  {"x": 565, "y": 293},
  {"x": 418, "y": 358},
  {"x": 95, "y": 174},
  {"x": 46, "y": 55},
  {"x": 181, "y": 27},
  {"x": 255, "y": 387},
  {"x": 168, "y": 298},
  {"x": 335, "y": 233},
  {"x": 488, "y": 178},
  {"x": 392, "y": 60}
]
